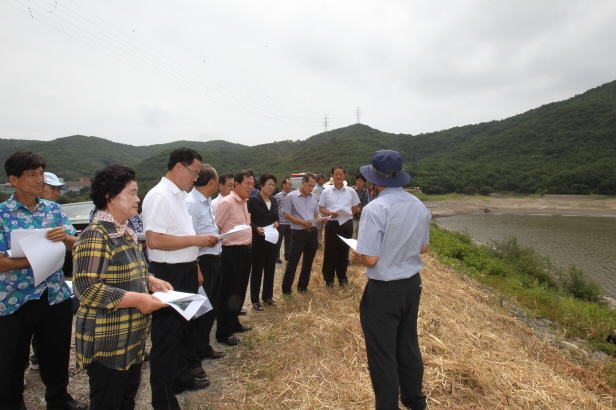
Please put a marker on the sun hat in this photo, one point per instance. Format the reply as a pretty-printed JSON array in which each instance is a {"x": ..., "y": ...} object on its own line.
[
  {"x": 386, "y": 169},
  {"x": 52, "y": 179}
]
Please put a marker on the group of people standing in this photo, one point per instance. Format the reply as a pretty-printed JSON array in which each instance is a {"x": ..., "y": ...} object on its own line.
[{"x": 114, "y": 281}]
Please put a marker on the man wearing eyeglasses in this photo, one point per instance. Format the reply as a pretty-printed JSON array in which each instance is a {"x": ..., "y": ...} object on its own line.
[{"x": 173, "y": 247}]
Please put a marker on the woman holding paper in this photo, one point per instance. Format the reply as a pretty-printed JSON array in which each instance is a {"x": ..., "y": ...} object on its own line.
[
  {"x": 111, "y": 280},
  {"x": 263, "y": 213}
]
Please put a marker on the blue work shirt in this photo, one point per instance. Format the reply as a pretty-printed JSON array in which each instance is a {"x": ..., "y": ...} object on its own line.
[
  {"x": 17, "y": 286},
  {"x": 199, "y": 208},
  {"x": 394, "y": 227}
]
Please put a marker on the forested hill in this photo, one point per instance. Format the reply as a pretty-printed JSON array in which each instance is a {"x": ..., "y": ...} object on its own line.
[
  {"x": 563, "y": 147},
  {"x": 80, "y": 156}
]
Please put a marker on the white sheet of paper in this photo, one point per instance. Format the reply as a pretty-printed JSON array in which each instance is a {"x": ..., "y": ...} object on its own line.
[
  {"x": 349, "y": 241},
  {"x": 16, "y": 250},
  {"x": 235, "y": 230},
  {"x": 271, "y": 233},
  {"x": 318, "y": 219},
  {"x": 45, "y": 256},
  {"x": 198, "y": 304},
  {"x": 343, "y": 216}
]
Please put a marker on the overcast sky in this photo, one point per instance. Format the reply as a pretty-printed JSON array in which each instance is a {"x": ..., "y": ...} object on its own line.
[{"x": 251, "y": 72}]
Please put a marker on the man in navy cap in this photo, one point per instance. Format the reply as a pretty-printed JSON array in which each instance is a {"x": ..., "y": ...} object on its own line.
[{"x": 394, "y": 230}]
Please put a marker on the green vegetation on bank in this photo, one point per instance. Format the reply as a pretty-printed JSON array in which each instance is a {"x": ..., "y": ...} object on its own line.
[{"x": 574, "y": 303}]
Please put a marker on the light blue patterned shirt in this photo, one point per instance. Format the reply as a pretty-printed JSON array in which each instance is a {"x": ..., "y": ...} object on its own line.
[
  {"x": 17, "y": 286},
  {"x": 200, "y": 210}
]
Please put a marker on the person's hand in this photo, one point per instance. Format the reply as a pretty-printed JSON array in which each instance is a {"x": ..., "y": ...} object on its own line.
[
  {"x": 333, "y": 215},
  {"x": 56, "y": 234},
  {"x": 306, "y": 224},
  {"x": 158, "y": 284},
  {"x": 355, "y": 257},
  {"x": 276, "y": 225},
  {"x": 199, "y": 277},
  {"x": 261, "y": 231},
  {"x": 148, "y": 303},
  {"x": 206, "y": 241}
]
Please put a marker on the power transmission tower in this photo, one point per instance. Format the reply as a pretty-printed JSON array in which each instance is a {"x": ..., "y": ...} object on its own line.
[
  {"x": 325, "y": 125},
  {"x": 358, "y": 113}
]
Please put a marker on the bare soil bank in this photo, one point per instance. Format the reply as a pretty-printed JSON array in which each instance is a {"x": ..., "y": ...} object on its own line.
[{"x": 578, "y": 205}]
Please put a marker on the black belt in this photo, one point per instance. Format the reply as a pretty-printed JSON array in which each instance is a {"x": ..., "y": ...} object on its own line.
[
  {"x": 209, "y": 256},
  {"x": 249, "y": 246},
  {"x": 181, "y": 264},
  {"x": 312, "y": 229}
]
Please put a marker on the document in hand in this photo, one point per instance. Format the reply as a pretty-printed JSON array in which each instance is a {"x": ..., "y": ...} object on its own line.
[
  {"x": 349, "y": 241},
  {"x": 45, "y": 256},
  {"x": 317, "y": 219},
  {"x": 342, "y": 217},
  {"x": 233, "y": 231},
  {"x": 188, "y": 305},
  {"x": 271, "y": 233}
]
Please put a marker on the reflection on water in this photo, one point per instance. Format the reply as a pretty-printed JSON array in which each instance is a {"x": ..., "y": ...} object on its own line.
[{"x": 588, "y": 242}]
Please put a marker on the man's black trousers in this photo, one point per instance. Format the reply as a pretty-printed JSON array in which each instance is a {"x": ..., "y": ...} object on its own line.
[{"x": 388, "y": 314}]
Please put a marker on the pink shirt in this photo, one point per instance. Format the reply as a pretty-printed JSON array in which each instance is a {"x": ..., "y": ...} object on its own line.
[{"x": 230, "y": 212}]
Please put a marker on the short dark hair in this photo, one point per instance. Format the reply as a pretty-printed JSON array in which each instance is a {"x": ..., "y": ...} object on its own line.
[
  {"x": 240, "y": 176},
  {"x": 319, "y": 176},
  {"x": 183, "y": 155},
  {"x": 338, "y": 167},
  {"x": 206, "y": 174},
  {"x": 284, "y": 181},
  {"x": 307, "y": 176},
  {"x": 222, "y": 179},
  {"x": 21, "y": 161},
  {"x": 266, "y": 177},
  {"x": 109, "y": 182},
  {"x": 360, "y": 176}
]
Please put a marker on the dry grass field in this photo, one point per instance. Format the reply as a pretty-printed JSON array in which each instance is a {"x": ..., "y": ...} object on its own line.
[{"x": 308, "y": 353}]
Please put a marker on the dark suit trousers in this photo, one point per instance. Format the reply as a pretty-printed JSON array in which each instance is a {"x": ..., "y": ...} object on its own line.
[
  {"x": 388, "y": 314},
  {"x": 302, "y": 242},
  {"x": 111, "y": 388},
  {"x": 284, "y": 232},
  {"x": 199, "y": 343},
  {"x": 170, "y": 336},
  {"x": 263, "y": 267},
  {"x": 236, "y": 263},
  {"x": 52, "y": 329},
  {"x": 336, "y": 254}
]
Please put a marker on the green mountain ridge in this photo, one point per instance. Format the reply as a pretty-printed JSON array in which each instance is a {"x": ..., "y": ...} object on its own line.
[{"x": 565, "y": 147}]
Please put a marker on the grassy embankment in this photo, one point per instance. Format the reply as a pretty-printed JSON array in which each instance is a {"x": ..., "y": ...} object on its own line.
[
  {"x": 309, "y": 352},
  {"x": 566, "y": 297}
]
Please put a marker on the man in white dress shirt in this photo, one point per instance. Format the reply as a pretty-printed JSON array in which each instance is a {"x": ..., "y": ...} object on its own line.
[{"x": 173, "y": 248}]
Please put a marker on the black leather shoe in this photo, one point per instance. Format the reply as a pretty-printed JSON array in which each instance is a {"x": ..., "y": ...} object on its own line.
[
  {"x": 71, "y": 404},
  {"x": 278, "y": 260},
  {"x": 243, "y": 312},
  {"x": 216, "y": 355},
  {"x": 199, "y": 384},
  {"x": 230, "y": 341},
  {"x": 242, "y": 329}
]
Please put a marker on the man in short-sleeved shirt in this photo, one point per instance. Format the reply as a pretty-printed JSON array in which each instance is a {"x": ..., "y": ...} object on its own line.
[
  {"x": 336, "y": 256},
  {"x": 173, "y": 247},
  {"x": 394, "y": 231},
  {"x": 300, "y": 207},
  {"x": 284, "y": 226},
  {"x": 25, "y": 309}
]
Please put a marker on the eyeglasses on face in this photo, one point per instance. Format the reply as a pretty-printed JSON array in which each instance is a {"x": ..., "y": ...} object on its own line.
[{"x": 193, "y": 173}]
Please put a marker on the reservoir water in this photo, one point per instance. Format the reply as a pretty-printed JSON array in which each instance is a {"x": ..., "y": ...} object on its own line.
[{"x": 587, "y": 242}]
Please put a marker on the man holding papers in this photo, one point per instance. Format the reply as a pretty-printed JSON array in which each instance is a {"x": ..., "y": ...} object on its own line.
[
  {"x": 25, "y": 309},
  {"x": 199, "y": 205},
  {"x": 339, "y": 202},
  {"x": 236, "y": 257},
  {"x": 300, "y": 208},
  {"x": 173, "y": 247},
  {"x": 394, "y": 231}
]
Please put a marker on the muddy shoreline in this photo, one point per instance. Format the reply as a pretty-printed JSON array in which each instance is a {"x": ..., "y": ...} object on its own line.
[{"x": 501, "y": 204}]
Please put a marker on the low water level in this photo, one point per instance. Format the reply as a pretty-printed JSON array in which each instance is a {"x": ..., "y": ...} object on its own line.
[{"x": 587, "y": 242}]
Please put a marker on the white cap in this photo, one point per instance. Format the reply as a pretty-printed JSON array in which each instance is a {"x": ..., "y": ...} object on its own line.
[{"x": 53, "y": 180}]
